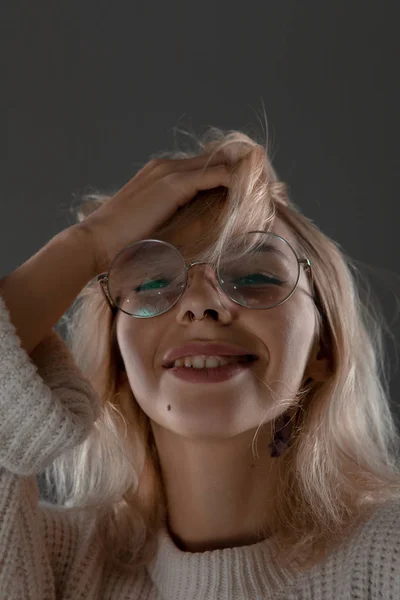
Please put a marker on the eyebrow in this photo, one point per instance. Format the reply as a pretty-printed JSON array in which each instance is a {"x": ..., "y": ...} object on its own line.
[
  {"x": 271, "y": 248},
  {"x": 262, "y": 248}
]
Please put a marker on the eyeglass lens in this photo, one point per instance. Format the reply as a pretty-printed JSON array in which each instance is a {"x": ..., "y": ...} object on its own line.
[{"x": 148, "y": 278}]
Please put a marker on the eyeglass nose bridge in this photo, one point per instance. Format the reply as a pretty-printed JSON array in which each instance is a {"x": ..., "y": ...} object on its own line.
[
  {"x": 193, "y": 264},
  {"x": 197, "y": 262}
]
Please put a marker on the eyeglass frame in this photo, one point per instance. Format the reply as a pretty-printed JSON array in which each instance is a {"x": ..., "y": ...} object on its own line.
[{"x": 103, "y": 278}]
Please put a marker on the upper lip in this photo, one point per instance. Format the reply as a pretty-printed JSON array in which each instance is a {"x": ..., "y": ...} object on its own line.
[{"x": 205, "y": 347}]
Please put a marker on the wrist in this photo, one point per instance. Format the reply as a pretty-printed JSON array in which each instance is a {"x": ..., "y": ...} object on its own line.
[{"x": 85, "y": 238}]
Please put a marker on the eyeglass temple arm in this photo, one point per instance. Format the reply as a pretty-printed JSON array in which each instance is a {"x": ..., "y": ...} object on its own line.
[
  {"x": 103, "y": 280},
  {"x": 307, "y": 264},
  {"x": 316, "y": 297}
]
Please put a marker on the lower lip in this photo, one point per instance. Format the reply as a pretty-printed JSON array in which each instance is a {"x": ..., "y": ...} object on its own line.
[{"x": 214, "y": 375}]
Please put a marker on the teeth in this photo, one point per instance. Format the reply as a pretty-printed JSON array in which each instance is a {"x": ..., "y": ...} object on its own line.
[{"x": 206, "y": 362}]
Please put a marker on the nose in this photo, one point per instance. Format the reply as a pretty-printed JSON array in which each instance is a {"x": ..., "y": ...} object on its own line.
[{"x": 203, "y": 296}]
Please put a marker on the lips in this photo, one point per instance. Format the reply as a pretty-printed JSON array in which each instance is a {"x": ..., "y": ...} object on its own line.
[
  {"x": 206, "y": 348},
  {"x": 193, "y": 362}
]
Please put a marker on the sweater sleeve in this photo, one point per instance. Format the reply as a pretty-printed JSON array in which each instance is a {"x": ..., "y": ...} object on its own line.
[{"x": 47, "y": 407}]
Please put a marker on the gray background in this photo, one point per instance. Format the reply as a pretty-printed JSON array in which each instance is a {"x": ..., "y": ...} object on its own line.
[{"x": 89, "y": 90}]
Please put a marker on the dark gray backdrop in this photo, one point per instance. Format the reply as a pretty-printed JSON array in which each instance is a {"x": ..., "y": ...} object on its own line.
[{"x": 90, "y": 89}]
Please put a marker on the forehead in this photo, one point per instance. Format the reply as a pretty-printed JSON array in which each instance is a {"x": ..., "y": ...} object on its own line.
[{"x": 202, "y": 228}]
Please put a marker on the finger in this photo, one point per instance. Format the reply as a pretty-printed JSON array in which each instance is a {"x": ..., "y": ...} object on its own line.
[
  {"x": 161, "y": 167},
  {"x": 198, "y": 162},
  {"x": 188, "y": 185}
]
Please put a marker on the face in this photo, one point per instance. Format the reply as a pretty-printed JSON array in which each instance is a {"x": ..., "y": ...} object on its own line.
[{"x": 282, "y": 337}]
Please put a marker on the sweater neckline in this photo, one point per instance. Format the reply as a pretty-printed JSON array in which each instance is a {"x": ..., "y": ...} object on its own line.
[{"x": 237, "y": 572}]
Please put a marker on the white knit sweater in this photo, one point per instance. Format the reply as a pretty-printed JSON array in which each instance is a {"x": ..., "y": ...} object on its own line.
[{"x": 47, "y": 407}]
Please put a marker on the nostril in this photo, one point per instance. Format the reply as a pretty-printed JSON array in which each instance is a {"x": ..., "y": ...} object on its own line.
[{"x": 209, "y": 312}]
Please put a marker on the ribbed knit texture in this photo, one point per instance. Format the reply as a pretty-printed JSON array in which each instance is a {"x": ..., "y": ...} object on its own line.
[{"x": 48, "y": 407}]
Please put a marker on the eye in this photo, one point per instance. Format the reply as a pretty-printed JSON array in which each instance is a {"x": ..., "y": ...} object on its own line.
[
  {"x": 154, "y": 284},
  {"x": 258, "y": 278}
]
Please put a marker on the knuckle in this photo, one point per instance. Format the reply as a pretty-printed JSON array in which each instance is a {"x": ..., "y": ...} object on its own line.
[
  {"x": 224, "y": 171},
  {"x": 171, "y": 178},
  {"x": 220, "y": 168},
  {"x": 158, "y": 163}
]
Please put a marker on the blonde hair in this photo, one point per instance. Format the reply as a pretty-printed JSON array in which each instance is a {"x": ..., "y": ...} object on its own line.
[{"x": 344, "y": 458}]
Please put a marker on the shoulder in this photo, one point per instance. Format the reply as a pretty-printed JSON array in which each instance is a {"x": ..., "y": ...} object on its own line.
[
  {"x": 384, "y": 524},
  {"x": 380, "y": 529},
  {"x": 76, "y": 558},
  {"x": 375, "y": 550},
  {"x": 66, "y": 535},
  {"x": 60, "y": 523}
]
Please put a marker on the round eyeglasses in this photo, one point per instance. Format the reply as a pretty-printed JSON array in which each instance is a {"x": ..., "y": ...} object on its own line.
[{"x": 147, "y": 278}]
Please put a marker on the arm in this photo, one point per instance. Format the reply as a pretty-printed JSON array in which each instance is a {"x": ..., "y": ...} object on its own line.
[{"x": 40, "y": 291}]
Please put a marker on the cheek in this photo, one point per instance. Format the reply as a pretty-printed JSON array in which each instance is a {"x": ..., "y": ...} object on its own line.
[
  {"x": 135, "y": 346},
  {"x": 288, "y": 338}
]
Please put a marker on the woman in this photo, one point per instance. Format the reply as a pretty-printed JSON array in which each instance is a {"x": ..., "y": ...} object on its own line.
[{"x": 221, "y": 430}]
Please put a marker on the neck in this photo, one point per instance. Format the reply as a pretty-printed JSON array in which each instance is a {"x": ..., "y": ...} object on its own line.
[{"x": 218, "y": 495}]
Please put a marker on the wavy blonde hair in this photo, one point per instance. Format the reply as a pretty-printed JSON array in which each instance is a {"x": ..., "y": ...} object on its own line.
[{"x": 344, "y": 459}]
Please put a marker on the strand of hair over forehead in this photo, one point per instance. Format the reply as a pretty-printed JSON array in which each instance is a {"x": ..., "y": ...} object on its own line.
[{"x": 254, "y": 183}]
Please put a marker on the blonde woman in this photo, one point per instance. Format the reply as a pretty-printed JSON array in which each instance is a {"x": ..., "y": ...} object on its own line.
[{"x": 217, "y": 424}]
